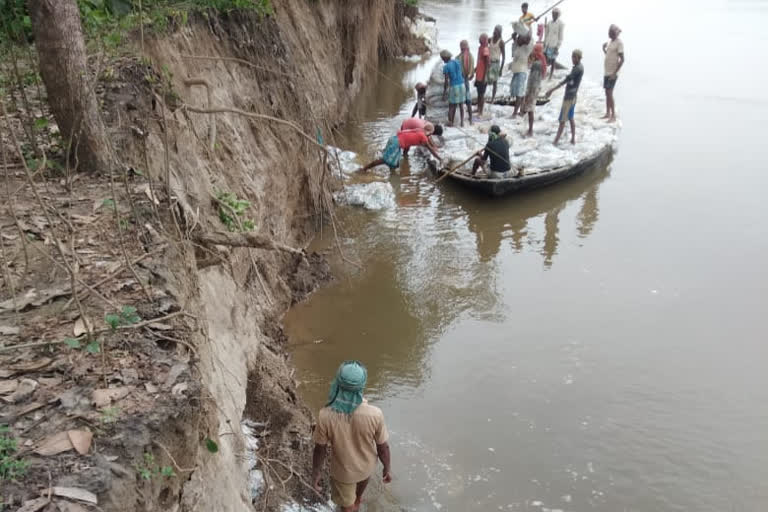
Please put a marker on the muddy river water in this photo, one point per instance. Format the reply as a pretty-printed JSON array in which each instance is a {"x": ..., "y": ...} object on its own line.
[{"x": 600, "y": 345}]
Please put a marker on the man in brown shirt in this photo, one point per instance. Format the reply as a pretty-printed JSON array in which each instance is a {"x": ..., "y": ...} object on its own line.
[{"x": 357, "y": 434}]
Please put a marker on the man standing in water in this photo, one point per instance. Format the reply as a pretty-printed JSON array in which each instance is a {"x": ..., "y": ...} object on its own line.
[
  {"x": 553, "y": 39},
  {"x": 357, "y": 434},
  {"x": 572, "y": 83},
  {"x": 498, "y": 56},
  {"x": 614, "y": 59},
  {"x": 453, "y": 88}
]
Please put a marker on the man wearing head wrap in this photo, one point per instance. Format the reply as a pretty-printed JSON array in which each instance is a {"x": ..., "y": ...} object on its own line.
[
  {"x": 572, "y": 83},
  {"x": 357, "y": 435},
  {"x": 614, "y": 59},
  {"x": 537, "y": 73},
  {"x": 497, "y": 150},
  {"x": 481, "y": 73},
  {"x": 498, "y": 57},
  {"x": 421, "y": 100},
  {"x": 553, "y": 39}
]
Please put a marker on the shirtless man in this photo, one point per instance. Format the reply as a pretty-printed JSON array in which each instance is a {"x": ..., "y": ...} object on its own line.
[{"x": 498, "y": 58}]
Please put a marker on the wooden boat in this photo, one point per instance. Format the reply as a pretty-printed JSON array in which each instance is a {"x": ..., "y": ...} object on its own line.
[
  {"x": 528, "y": 181},
  {"x": 506, "y": 101}
]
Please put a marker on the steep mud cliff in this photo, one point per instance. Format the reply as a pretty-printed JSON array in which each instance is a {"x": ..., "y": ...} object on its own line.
[
  {"x": 307, "y": 62},
  {"x": 228, "y": 103}
]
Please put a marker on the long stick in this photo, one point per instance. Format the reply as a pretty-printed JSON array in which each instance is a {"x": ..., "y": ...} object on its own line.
[
  {"x": 537, "y": 18},
  {"x": 473, "y": 155},
  {"x": 545, "y": 12}
]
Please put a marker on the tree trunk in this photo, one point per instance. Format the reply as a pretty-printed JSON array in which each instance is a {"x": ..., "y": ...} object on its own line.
[{"x": 71, "y": 92}]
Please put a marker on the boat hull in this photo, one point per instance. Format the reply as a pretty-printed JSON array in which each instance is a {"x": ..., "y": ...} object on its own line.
[{"x": 506, "y": 186}]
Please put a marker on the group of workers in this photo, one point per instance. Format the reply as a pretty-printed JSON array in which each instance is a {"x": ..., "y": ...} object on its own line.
[{"x": 529, "y": 63}]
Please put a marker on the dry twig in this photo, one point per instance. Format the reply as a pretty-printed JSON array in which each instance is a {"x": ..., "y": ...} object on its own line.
[{"x": 168, "y": 453}]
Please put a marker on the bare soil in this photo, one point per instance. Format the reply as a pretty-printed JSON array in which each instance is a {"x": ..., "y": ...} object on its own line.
[{"x": 204, "y": 348}]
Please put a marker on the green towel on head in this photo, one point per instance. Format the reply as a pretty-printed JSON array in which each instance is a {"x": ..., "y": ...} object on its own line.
[{"x": 347, "y": 387}]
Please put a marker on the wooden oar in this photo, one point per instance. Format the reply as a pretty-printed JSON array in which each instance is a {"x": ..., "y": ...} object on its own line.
[{"x": 456, "y": 168}]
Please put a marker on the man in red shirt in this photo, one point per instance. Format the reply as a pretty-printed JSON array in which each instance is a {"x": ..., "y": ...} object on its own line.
[
  {"x": 399, "y": 144},
  {"x": 481, "y": 71}
]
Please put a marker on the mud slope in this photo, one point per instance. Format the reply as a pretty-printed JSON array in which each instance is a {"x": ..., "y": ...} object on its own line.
[
  {"x": 222, "y": 104},
  {"x": 304, "y": 64}
]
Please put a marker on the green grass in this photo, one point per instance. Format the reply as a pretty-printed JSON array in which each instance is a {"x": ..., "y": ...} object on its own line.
[
  {"x": 10, "y": 467},
  {"x": 110, "y": 21}
]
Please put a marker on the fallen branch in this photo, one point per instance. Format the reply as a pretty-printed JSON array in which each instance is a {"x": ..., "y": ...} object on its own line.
[
  {"x": 264, "y": 117},
  {"x": 251, "y": 240},
  {"x": 77, "y": 279},
  {"x": 271, "y": 71},
  {"x": 177, "y": 341},
  {"x": 114, "y": 274},
  {"x": 12, "y": 210},
  {"x": 119, "y": 226},
  {"x": 168, "y": 453}
]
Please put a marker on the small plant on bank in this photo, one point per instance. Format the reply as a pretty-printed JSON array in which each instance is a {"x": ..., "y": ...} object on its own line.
[
  {"x": 10, "y": 468},
  {"x": 148, "y": 469},
  {"x": 109, "y": 414},
  {"x": 92, "y": 347},
  {"x": 231, "y": 211},
  {"x": 126, "y": 316}
]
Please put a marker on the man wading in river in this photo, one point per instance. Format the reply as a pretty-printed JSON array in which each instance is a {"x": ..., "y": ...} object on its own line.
[{"x": 357, "y": 435}]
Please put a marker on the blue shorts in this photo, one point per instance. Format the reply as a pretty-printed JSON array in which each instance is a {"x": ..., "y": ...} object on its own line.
[
  {"x": 567, "y": 110},
  {"x": 610, "y": 83},
  {"x": 518, "y": 85},
  {"x": 392, "y": 153},
  {"x": 551, "y": 54}
]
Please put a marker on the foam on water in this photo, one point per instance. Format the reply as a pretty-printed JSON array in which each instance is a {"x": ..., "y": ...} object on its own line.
[{"x": 536, "y": 153}]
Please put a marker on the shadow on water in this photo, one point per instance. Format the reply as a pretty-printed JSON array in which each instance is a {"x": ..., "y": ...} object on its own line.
[{"x": 495, "y": 220}]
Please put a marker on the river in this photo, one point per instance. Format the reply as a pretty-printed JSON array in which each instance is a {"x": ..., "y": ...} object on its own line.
[{"x": 600, "y": 345}]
